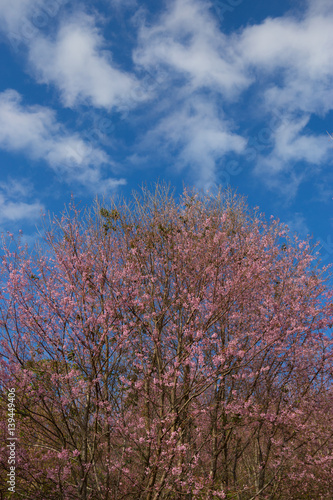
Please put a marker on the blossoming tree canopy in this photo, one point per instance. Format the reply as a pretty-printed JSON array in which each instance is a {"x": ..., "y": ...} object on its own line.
[{"x": 167, "y": 350}]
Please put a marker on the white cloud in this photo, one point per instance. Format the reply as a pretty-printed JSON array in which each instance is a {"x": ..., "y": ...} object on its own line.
[
  {"x": 23, "y": 20},
  {"x": 288, "y": 59},
  {"x": 320, "y": 7},
  {"x": 15, "y": 188},
  {"x": 199, "y": 137},
  {"x": 12, "y": 206},
  {"x": 186, "y": 40},
  {"x": 19, "y": 210},
  {"x": 288, "y": 43},
  {"x": 35, "y": 131},
  {"x": 77, "y": 59},
  {"x": 297, "y": 155},
  {"x": 185, "y": 43},
  {"x": 77, "y": 62},
  {"x": 298, "y": 225},
  {"x": 295, "y": 51},
  {"x": 14, "y": 12},
  {"x": 293, "y": 144},
  {"x": 301, "y": 51},
  {"x": 121, "y": 4}
]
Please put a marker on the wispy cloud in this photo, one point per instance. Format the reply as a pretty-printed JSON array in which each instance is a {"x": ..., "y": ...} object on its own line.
[
  {"x": 14, "y": 12},
  {"x": 298, "y": 225},
  {"x": 121, "y": 4},
  {"x": 24, "y": 20},
  {"x": 199, "y": 135},
  {"x": 35, "y": 131},
  {"x": 15, "y": 205},
  {"x": 293, "y": 143}
]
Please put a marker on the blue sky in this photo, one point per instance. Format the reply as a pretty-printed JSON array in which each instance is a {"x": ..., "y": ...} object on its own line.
[{"x": 98, "y": 97}]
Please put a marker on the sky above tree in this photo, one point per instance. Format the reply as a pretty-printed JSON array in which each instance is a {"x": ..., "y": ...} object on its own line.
[{"x": 97, "y": 98}]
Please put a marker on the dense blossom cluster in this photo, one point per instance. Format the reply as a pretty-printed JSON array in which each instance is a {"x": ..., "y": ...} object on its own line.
[{"x": 168, "y": 351}]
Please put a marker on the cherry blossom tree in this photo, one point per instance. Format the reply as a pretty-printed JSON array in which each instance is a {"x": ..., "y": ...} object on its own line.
[{"x": 167, "y": 350}]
